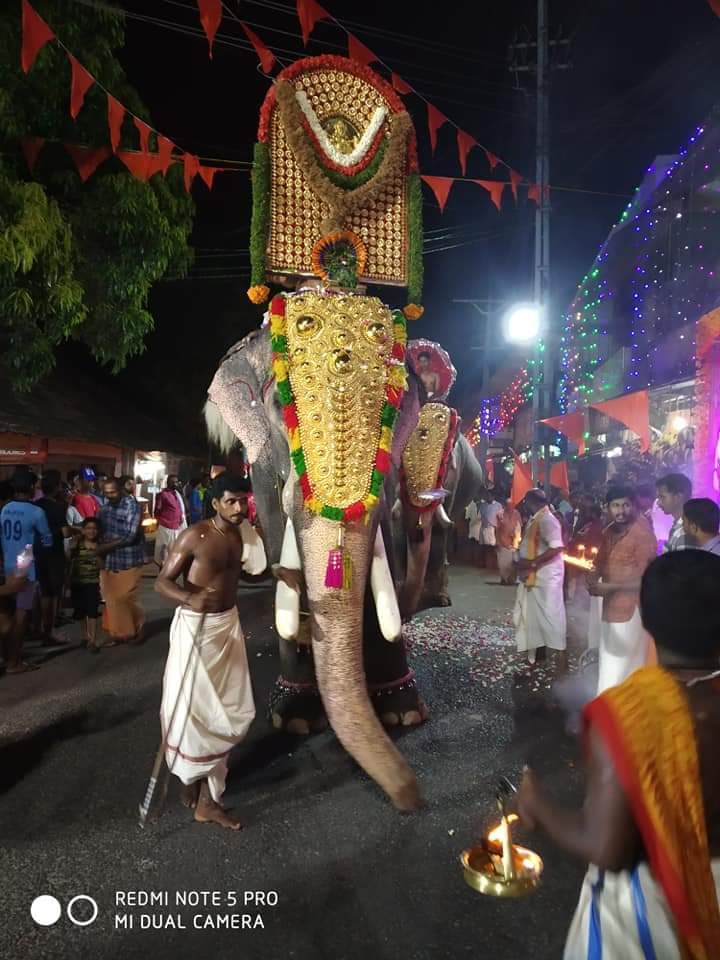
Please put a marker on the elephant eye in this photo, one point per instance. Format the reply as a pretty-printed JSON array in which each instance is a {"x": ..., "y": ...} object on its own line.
[{"x": 308, "y": 326}]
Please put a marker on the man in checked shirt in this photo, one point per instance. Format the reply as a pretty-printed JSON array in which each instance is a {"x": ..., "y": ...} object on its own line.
[{"x": 123, "y": 548}]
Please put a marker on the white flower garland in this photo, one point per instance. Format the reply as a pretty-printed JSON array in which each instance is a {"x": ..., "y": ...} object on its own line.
[{"x": 342, "y": 159}]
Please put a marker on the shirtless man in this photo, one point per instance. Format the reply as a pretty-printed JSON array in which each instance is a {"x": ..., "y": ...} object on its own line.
[
  {"x": 430, "y": 379},
  {"x": 208, "y": 708}
]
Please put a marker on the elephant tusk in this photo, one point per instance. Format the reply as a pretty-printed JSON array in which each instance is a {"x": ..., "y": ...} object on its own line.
[
  {"x": 254, "y": 559},
  {"x": 383, "y": 589},
  {"x": 287, "y": 600},
  {"x": 443, "y": 519}
]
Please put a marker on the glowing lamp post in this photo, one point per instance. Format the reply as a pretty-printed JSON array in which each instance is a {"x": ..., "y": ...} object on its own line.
[{"x": 523, "y": 323}]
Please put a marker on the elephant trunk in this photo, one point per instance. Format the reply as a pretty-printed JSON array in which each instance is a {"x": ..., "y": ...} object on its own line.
[
  {"x": 419, "y": 538},
  {"x": 337, "y": 625}
]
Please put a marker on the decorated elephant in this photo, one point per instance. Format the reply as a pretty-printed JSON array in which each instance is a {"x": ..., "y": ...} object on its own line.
[
  {"x": 355, "y": 415},
  {"x": 336, "y": 197},
  {"x": 439, "y": 475}
]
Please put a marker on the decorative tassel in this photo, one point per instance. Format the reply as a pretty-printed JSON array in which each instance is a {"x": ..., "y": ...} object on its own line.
[{"x": 338, "y": 574}]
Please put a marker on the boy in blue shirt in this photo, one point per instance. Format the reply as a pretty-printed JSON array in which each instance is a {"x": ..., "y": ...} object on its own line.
[{"x": 21, "y": 523}]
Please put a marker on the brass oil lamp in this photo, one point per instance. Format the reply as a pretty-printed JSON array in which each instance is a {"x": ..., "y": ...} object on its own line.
[{"x": 497, "y": 867}]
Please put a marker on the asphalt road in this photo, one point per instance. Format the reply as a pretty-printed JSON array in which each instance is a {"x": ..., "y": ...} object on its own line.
[{"x": 325, "y": 863}]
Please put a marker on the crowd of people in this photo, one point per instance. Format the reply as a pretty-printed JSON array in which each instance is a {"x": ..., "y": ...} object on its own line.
[
  {"x": 650, "y": 824},
  {"x": 80, "y": 541}
]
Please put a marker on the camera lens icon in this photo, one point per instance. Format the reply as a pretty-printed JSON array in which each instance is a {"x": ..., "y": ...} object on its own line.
[
  {"x": 45, "y": 910},
  {"x": 81, "y": 911}
]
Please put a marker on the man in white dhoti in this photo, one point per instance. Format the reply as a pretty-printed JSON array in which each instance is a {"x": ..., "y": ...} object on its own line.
[
  {"x": 628, "y": 546},
  {"x": 539, "y": 607},
  {"x": 207, "y": 704}
]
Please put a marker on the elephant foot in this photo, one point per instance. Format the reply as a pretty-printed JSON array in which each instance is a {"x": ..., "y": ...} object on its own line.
[
  {"x": 436, "y": 600},
  {"x": 399, "y": 703},
  {"x": 296, "y": 708}
]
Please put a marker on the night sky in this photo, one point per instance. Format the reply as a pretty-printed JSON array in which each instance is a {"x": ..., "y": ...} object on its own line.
[{"x": 643, "y": 75}]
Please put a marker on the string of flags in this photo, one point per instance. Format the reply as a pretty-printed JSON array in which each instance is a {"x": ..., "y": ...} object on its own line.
[
  {"x": 310, "y": 13},
  {"x": 441, "y": 187},
  {"x": 142, "y": 163}
]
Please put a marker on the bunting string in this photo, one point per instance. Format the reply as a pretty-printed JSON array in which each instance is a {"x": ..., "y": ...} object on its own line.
[{"x": 36, "y": 33}]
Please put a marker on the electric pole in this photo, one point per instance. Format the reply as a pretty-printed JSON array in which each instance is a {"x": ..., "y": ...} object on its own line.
[{"x": 544, "y": 383}]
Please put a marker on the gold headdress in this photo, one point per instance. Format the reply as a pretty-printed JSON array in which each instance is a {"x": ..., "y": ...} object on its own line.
[{"x": 336, "y": 189}]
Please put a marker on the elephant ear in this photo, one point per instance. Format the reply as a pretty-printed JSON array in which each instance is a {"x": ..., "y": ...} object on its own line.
[
  {"x": 235, "y": 407},
  {"x": 407, "y": 418}
]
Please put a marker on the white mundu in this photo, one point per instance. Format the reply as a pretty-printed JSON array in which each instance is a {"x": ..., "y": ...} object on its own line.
[
  {"x": 539, "y": 614},
  {"x": 207, "y": 708}
]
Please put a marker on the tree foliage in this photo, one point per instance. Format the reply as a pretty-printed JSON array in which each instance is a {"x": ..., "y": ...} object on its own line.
[{"x": 77, "y": 260}]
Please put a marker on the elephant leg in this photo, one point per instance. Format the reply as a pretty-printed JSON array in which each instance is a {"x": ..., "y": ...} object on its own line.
[
  {"x": 436, "y": 592},
  {"x": 391, "y": 683},
  {"x": 294, "y": 703}
]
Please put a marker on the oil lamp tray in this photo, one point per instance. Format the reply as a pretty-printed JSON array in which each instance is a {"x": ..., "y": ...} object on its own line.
[{"x": 480, "y": 872}]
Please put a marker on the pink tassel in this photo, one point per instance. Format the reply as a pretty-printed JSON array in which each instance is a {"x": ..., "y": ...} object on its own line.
[
  {"x": 334, "y": 570},
  {"x": 338, "y": 573}
]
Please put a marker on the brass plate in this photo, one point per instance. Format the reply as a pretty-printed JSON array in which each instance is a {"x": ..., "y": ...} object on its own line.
[{"x": 423, "y": 454}]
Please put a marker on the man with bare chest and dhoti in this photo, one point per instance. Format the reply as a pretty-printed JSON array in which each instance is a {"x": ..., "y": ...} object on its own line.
[{"x": 207, "y": 705}]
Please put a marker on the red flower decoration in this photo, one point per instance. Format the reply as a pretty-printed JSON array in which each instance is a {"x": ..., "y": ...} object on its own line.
[
  {"x": 291, "y": 417},
  {"x": 382, "y": 461},
  {"x": 306, "y": 487},
  {"x": 355, "y": 512}
]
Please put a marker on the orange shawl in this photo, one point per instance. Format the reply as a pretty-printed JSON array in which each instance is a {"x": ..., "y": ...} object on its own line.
[{"x": 648, "y": 730}]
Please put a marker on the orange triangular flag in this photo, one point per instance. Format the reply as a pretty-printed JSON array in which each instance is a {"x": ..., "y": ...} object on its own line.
[
  {"x": 265, "y": 55},
  {"x": 492, "y": 159},
  {"x": 165, "y": 149},
  {"x": 309, "y": 12},
  {"x": 359, "y": 52},
  {"x": 87, "y": 159},
  {"x": 144, "y": 130},
  {"x": 31, "y": 147},
  {"x": 191, "y": 166},
  {"x": 494, "y": 188},
  {"x": 35, "y": 34},
  {"x": 208, "y": 174},
  {"x": 80, "y": 84},
  {"x": 139, "y": 164},
  {"x": 440, "y": 186},
  {"x": 534, "y": 192},
  {"x": 211, "y": 12},
  {"x": 515, "y": 181},
  {"x": 465, "y": 144},
  {"x": 116, "y": 115},
  {"x": 399, "y": 84},
  {"x": 435, "y": 121}
]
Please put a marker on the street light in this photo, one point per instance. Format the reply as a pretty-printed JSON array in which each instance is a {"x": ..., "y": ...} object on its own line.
[{"x": 522, "y": 323}]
